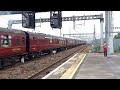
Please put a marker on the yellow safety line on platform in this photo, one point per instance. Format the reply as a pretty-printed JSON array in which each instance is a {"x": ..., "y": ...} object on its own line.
[{"x": 77, "y": 67}]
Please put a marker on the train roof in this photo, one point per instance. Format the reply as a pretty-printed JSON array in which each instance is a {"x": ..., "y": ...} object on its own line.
[
  {"x": 11, "y": 31},
  {"x": 36, "y": 34},
  {"x": 42, "y": 34},
  {"x": 17, "y": 31}
]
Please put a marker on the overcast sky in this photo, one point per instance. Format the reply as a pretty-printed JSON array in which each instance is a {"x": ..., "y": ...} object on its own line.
[{"x": 67, "y": 26}]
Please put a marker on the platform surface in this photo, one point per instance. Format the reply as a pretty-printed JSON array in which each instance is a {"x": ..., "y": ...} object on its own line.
[
  {"x": 67, "y": 69},
  {"x": 95, "y": 66}
]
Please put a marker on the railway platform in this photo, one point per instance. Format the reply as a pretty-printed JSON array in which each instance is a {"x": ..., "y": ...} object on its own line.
[{"x": 88, "y": 66}]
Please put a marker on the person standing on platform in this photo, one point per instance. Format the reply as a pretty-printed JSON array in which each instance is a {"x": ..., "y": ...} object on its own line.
[{"x": 105, "y": 49}]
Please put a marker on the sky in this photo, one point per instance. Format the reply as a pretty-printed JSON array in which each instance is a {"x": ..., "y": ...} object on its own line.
[{"x": 67, "y": 26}]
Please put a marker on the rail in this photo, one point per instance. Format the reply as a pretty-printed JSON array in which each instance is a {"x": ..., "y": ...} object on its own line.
[{"x": 45, "y": 69}]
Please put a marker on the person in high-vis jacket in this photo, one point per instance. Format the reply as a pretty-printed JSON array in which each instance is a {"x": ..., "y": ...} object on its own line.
[{"x": 105, "y": 49}]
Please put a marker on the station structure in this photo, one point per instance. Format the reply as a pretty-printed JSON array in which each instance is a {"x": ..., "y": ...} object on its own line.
[
  {"x": 73, "y": 18},
  {"x": 108, "y": 26},
  {"x": 77, "y": 66}
]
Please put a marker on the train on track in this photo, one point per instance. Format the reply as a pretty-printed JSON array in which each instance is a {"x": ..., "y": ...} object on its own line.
[{"x": 17, "y": 44}]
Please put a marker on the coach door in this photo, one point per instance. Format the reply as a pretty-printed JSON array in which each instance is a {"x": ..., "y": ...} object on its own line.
[{"x": 27, "y": 42}]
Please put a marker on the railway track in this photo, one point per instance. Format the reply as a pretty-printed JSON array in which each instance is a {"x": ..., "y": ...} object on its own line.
[
  {"x": 49, "y": 68},
  {"x": 30, "y": 68},
  {"x": 27, "y": 61}
]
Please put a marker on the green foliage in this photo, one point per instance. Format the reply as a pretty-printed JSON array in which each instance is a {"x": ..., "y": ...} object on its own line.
[
  {"x": 97, "y": 48},
  {"x": 117, "y": 36},
  {"x": 116, "y": 51}
]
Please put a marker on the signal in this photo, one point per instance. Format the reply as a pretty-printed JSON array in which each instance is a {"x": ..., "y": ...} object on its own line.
[
  {"x": 28, "y": 20},
  {"x": 56, "y": 19}
]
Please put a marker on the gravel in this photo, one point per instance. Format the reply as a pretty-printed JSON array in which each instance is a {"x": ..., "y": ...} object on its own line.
[{"x": 28, "y": 69}]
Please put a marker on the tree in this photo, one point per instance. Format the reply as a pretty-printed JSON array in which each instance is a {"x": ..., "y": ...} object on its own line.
[{"x": 117, "y": 36}]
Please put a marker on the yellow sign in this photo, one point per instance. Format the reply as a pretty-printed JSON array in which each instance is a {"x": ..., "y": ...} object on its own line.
[{"x": 16, "y": 49}]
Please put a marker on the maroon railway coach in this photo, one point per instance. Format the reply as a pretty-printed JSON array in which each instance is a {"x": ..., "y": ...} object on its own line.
[{"x": 17, "y": 44}]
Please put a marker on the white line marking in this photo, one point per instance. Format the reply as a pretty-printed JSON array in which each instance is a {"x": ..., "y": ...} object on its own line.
[{"x": 58, "y": 67}]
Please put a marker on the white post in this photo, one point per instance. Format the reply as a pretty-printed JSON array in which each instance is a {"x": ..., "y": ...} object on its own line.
[
  {"x": 108, "y": 33},
  {"x": 107, "y": 30},
  {"x": 111, "y": 34},
  {"x": 101, "y": 36},
  {"x": 54, "y": 52},
  {"x": 22, "y": 59}
]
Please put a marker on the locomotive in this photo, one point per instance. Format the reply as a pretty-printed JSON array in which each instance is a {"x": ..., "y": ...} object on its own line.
[{"x": 17, "y": 44}]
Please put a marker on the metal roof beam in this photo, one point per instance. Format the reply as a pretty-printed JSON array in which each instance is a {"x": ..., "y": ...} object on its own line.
[{"x": 76, "y": 18}]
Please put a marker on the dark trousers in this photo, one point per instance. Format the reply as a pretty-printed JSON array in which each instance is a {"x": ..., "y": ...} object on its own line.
[{"x": 105, "y": 53}]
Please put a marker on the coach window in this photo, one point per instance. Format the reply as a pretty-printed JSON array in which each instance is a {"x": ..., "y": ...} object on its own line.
[
  {"x": 62, "y": 41},
  {"x": 23, "y": 40},
  {"x": 37, "y": 40},
  {"x": 59, "y": 41},
  {"x": 0, "y": 40},
  {"x": 51, "y": 40},
  {"x": 17, "y": 41},
  {"x": 5, "y": 40},
  {"x": 33, "y": 38}
]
